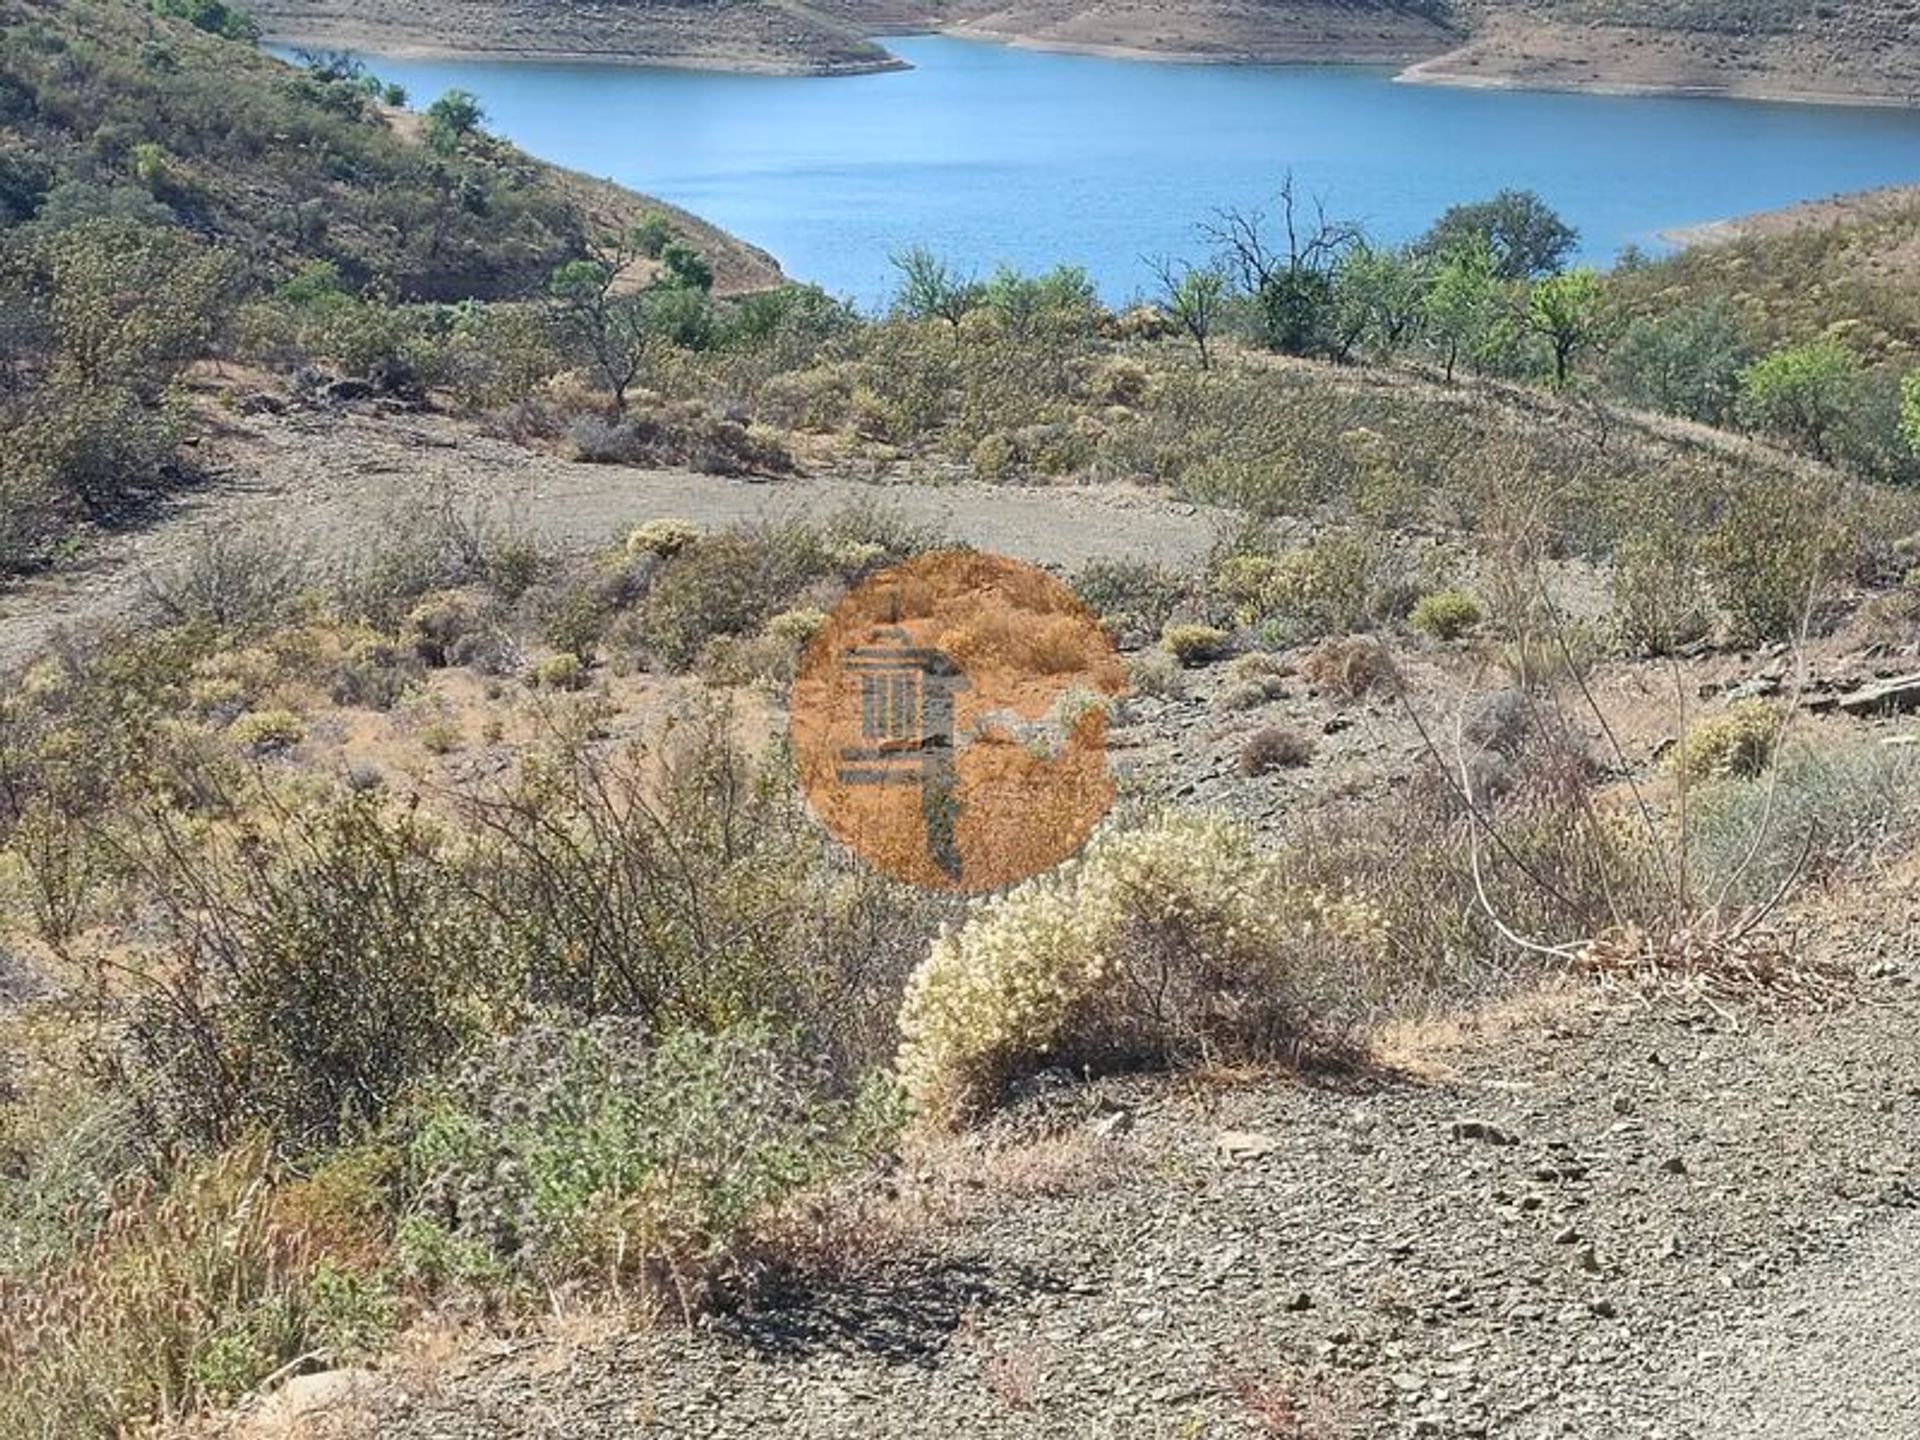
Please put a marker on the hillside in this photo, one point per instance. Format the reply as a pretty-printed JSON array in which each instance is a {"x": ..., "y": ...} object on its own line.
[
  {"x": 749, "y": 35},
  {"x": 107, "y": 108},
  {"x": 1850, "y": 50},
  {"x": 1848, "y": 266}
]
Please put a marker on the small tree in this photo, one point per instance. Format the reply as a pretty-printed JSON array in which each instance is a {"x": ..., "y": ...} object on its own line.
[
  {"x": 1194, "y": 297},
  {"x": 930, "y": 289},
  {"x": 1378, "y": 298},
  {"x": 1802, "y": 394},
  {"x": 1286, "y": 268},
  {"x": 1521, "y": 231},
  {"x": 1564, "y": 310},
  {"x": 1910, "y": 411},
  {"x": 1685, "y": 362},
  {"x": 451, "y": 119},
  {"x": 1462, "y": 303},
  {"x": 683, "y": 266}
]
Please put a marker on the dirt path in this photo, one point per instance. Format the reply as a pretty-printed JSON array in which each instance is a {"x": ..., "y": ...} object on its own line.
[{"x": 336, "y": 482}]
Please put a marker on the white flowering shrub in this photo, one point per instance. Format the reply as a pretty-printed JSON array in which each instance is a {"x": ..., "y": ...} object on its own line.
[{"x": 1163, "y": 945}]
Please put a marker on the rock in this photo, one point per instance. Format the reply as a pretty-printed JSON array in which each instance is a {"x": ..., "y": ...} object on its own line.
[
  {"x": 326, "y": 1392},
  {"x": 1482, "y": 1130},
  {"x": 1899, "y": 694},
  {"x": 1674, "y": 1165},
  {"x": 1301, "y": 1302},
  {"x": 1237, "y": 1145}
]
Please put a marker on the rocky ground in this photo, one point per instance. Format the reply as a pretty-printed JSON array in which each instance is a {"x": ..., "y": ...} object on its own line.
[
  {"x": 1601, "y": 1220},
  {"x": 1586, "y": 1215},
  {"x": 331, "y": 481}
]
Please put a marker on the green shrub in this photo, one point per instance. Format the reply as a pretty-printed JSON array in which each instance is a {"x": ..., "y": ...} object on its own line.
[
  {"x": 1161, "y": 946},
  {"x": 1195, "y": 645},
  {"x": 1445, "y": 614},
  {"x": 1802, "y": 394},
  {"x": 342, "y": 960},
  {"x": 565, "y": 671},
  {"x": 1737, "y": 744},
  {"x": 1133, "y": 598},
  {"x": 264, "y": 731},
  {"x": 1823, "y": 810},
  {"x": 609, "y": 1153}
]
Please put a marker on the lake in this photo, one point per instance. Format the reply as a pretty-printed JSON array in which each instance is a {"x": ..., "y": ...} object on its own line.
[{"x": 991, "y": 154}]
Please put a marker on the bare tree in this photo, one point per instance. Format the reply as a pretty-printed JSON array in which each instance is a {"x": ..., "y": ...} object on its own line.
[{"x": 1194, "y": 297}]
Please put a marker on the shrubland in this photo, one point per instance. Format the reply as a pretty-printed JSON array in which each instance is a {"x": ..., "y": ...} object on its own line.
[{"x": 562, "y": 990}]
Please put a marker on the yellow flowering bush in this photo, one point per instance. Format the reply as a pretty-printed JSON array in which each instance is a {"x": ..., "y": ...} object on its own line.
[
  {"x": 1736, "y": 744},
  {"x": 1161, "y": 945},
  {"x": 664, "y": 537}
]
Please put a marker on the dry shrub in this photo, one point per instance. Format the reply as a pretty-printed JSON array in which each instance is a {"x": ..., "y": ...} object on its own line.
[
  {"x": 1195, "y": 645},
  {"x": 189, "y": 1293},
  {"x": 1276, "y": 747},
  {"x": 1350, "y": 668},
  {"x": 1738, "y": 744},
  {"x": 1172, "y": 944}
]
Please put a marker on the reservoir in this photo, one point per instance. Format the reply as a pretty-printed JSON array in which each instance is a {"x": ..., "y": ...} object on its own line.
[{"x": 990, "y": 154}]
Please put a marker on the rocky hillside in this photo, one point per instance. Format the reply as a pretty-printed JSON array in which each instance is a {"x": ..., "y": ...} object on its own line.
[
  {"x": 1852, "y": 50},
  {"x": 109, "y": 109},
  {"x": 754, "y": 35}
]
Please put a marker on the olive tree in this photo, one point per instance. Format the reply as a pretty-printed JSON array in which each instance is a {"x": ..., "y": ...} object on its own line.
[
  {"x": 1521, "y": 231},
  {"x": 1564, "y": 310}
]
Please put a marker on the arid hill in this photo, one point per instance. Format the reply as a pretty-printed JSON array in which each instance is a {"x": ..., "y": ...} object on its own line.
[{"x": 1851, "y": 50}]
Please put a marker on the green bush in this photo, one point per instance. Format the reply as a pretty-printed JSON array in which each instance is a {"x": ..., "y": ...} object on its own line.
[
  {"x": 610, "y": 1153},
  {"x": 1802, "y": 394},
  {"x": 346, "y": 962},
  {"x": 1822, "y": 810},
  {"x": 1166, "y": 945},
  {"x": 1737, "y": 744},
  {"x": 1445, "y": 614}
]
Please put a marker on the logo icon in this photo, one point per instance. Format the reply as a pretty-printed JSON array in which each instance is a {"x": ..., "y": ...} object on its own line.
[{"x": 950, "y": 721}]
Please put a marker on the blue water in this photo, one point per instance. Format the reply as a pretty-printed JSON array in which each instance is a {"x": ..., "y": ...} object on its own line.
[{"x": 993, "y": 154}]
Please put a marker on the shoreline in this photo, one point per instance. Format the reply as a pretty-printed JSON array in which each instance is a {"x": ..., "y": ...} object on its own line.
[
  {"x": 1422, "y": 73},
  {"x": 1410, "y": 71},
  {"x": 706, "y": 65}
]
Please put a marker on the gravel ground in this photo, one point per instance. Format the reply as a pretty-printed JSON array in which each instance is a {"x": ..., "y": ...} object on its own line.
[
  {"x": 333, "y": 481},
  {"x": 1620, "y": 1224}
]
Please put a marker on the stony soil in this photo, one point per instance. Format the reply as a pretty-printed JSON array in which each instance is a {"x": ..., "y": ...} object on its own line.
[
  {"x": 331, "y": 481},
  {"x": 1614, "y": 1223},
  {"x": 1598, "y": 1219}
]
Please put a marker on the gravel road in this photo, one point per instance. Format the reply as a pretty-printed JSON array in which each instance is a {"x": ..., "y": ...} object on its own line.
[
  {"x": 335, "y": 481},
  {"x": 1620, "y": 1226}
]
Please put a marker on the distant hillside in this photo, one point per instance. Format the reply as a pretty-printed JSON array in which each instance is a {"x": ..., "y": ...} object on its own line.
[
  {"x": 1225, "y": 30},
  {"x": 750, "y": 35},
  {"x": 106, "y": 107},
  {"x": 1835, "y": 49},
  {"x": 1848, "y": 266},
  {"x": 1852, "y": 50}
]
